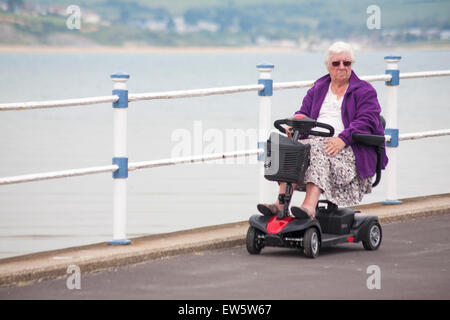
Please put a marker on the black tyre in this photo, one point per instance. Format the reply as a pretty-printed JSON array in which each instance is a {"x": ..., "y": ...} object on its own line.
[
  {"x": 254, "y": 244},
  {"x": 372, "y": 237},
  {"x": 311, "y": 243}
]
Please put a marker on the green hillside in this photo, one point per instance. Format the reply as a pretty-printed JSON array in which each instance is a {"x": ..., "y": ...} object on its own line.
[{"x": 218, "y": 22}]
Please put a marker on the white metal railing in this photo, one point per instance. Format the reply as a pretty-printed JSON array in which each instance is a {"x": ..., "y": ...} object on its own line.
[
  {"x": 193, "y": 93},
  {"x": 192, "y": 159},
  {"x": 120, "y": 99},
  {"x": 425, "y": 74},
  {"x": 58, "y": 174},
  {"x": 57, "y": 103},
  {"x": 425, "y": 134},
  {"x": 199, "y": 92},
  {"x": 133, "y": 166}
]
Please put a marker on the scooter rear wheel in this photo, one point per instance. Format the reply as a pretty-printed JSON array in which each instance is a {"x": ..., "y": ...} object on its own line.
[
  {"x": 311, "y": 243},
  {"x": 253, "y": 243}
]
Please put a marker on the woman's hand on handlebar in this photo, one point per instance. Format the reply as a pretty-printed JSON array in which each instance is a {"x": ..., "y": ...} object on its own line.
[{"x": 289, "y": 131}]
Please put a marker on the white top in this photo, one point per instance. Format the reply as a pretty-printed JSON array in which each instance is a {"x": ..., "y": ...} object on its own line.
[{"x": 330, "y": 113}]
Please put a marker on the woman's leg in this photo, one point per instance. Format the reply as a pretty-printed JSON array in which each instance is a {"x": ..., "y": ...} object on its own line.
[
  {"x": 311, "y": 199},
  {"x": 283, "y": 191},
  {"x": 277, "y": 206}
]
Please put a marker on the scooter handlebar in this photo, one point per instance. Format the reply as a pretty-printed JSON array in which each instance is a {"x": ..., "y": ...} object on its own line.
[
  {"x": 304, "y": 125},
  {"x": 330, "y": 129}
]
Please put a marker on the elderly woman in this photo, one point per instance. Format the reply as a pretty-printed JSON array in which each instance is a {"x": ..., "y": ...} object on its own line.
[{"x": 339, "y": 169}]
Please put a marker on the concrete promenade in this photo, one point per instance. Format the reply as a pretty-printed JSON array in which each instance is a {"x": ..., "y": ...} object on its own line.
[{"x": 25, "y": 269}]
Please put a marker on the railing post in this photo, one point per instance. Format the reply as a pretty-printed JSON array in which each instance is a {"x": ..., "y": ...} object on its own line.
[
  {"x": 392, "y": 127},
  {"x": 120, "y": 157},
  {"x": 266, "y": 192}
]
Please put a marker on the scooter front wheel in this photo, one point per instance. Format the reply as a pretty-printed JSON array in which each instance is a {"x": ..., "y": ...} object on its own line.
[
  {"x": 373, "y": 236},
  {"x": 254, "y": 245},
  {"x": 311, "y": 243}
]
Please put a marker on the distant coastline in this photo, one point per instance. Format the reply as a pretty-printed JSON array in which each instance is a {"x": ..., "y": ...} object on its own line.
[{"x": 180, "y": 50}]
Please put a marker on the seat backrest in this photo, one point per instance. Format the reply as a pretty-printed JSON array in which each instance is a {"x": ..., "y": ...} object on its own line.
[
  {"x": 383, "y": 121},
  {"x": 375, "y": 141}
]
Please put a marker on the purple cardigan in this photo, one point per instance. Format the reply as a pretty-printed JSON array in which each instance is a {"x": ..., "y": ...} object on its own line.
[{"x": 360, "y": 114}]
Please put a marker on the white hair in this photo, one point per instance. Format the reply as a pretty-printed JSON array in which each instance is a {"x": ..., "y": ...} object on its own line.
[{"x": 339, "y": 47}]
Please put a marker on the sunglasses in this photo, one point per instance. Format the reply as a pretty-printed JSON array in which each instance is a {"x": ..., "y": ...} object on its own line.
[{"x": 337, "y": 63}]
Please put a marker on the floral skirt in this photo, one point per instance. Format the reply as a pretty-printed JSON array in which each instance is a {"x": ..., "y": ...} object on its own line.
[{"x": 336, "y": 176}]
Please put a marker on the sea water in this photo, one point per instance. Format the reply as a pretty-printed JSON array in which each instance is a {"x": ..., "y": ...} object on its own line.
[{"x": 59, "y": 213}]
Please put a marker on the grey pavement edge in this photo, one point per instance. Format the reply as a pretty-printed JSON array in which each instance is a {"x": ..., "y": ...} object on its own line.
[{"x": 23, "y": 270}]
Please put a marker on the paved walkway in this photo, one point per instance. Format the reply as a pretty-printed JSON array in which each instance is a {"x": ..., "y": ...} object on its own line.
[
  {"x": 412, "y": 263},
  {"x": 53, "y": 264}
]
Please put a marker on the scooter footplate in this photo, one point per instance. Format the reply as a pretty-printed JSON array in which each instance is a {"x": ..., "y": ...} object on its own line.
[{"x": 331, "y": 239}]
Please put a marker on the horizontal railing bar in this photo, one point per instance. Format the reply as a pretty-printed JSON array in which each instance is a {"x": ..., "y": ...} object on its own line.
[
  {"x": 192, "y": 159},
  {"x": 132, "y": 166},
  {"x": 193, "y": 93},
  {"x": 58, "y": 174},
  {"x": 292, "y": 85},
  {"x": 424, "y": 74},
  {"x": 424, "y": 134},
  {"x": 56, "y": 103},
  {"x": 234, "y": 89},
  {"x": 198, "y": 92},
  {"x": 379, "y": 77},
  {"x": 309, "y": 83}
]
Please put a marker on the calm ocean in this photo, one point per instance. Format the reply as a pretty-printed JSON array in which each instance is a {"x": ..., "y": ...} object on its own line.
[{"x": 60, "y": 213}]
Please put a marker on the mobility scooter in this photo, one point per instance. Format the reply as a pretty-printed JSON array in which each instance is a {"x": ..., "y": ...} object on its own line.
[{"x": 286, "y": 160}]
